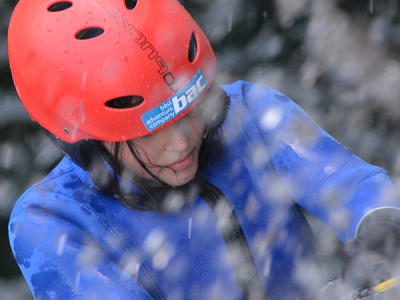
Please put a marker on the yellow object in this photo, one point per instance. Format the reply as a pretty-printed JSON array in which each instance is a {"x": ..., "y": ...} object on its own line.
[{"x": 386, "y": 285}]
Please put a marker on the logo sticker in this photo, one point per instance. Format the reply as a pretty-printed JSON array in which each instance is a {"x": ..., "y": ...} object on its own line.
[{"x": 176, "y": 104}]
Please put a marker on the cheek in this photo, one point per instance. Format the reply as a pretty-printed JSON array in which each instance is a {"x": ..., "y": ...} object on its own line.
[
  {"x": 197, "y": 127},
  {"x": 145, "y": 154},
  {"x": 129, "y": 160}
]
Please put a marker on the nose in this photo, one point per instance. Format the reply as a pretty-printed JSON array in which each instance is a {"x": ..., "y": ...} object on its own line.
[{"x": 178, "y": 138}]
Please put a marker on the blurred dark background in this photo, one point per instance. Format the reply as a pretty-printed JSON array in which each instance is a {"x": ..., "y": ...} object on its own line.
[{"x": 338, "y": 59}]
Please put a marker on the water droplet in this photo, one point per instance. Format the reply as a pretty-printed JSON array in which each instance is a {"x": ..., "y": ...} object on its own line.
[
  {"x": 371, "y": 6},
  {"x": 61, "y": 244},
  {"x": 84, "y": 80},
  {"x": 230, "y": 23},
  {"x": 124, "y": 58},
  {"x": 115, "y": 42},
  {"x": 190, "y": 228}
]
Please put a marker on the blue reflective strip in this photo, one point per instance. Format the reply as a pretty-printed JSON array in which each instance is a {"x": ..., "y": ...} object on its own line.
[{"x": 176, "y": 104}]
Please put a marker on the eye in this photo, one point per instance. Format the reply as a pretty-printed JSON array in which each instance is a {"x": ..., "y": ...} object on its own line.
[
  {"x": 89, "y": 33},
  {"x": 125, "y": 102},
  {"x": 192, "y": 55},
  {"x": 59, "y": 6}
]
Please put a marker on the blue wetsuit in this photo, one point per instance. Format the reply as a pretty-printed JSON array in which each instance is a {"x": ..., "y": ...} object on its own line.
[{"x": 73, "y": 242}]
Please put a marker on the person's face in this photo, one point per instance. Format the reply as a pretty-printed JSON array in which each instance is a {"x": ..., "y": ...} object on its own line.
[{"x": 171, "y": 153}]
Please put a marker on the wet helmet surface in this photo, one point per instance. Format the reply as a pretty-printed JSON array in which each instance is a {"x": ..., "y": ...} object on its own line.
[{"x": 111, "y": 70}]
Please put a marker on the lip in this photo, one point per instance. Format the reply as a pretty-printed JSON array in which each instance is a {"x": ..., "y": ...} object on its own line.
[{"x": 183, "y": 163}]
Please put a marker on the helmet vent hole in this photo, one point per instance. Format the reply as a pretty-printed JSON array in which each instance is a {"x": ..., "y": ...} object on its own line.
[
  {"x": 130, "y": 4},
  {"x": 192, "y": 48},
  {"x": 125, "y": 102},
  {"x": 59, "y": 6},
  {"x": 89, "y": 33}
]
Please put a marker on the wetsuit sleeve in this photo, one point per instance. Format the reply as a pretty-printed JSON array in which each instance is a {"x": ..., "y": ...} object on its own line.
[
  {"x": 319, "y": 173},
  {"x": 61, "y": 260}
]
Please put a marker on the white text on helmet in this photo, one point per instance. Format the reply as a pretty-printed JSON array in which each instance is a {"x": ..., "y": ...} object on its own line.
[
  {"x": 175, "y": 105},
  {"x": 180, "y": 103},
  {"x": 145, "y": 45}
]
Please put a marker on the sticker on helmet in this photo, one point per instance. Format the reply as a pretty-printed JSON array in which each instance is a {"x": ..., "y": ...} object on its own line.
[{"x": 176, "y": 104}]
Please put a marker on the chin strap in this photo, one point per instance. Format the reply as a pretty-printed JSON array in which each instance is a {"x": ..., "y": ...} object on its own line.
[{"x": 246, "y": 272}]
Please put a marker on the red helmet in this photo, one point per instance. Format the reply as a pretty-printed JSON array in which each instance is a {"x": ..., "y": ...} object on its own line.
[{"x": 111, "y": 70}]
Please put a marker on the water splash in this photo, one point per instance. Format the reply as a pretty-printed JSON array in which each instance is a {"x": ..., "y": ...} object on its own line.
[
  {"x": 371, "y": 6},
  {"x": 84, "y": 81},
  {"x": 77, "y": 281},
  {"x": 271, "y": 118},
  {"x": 61, "y": 244},
  {"x": 230, "y": 22},
  {"x": 190, "y": 228}
]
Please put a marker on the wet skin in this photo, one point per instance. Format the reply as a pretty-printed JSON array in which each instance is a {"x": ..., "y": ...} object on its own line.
[{"x": 171, "y": 154}]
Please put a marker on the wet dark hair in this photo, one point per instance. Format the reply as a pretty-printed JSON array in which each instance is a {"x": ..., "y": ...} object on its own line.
[{"x": 105, "y": 167}]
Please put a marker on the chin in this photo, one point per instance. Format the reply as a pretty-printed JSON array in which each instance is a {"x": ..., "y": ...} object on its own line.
[{"x": 181, "y": 178}]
